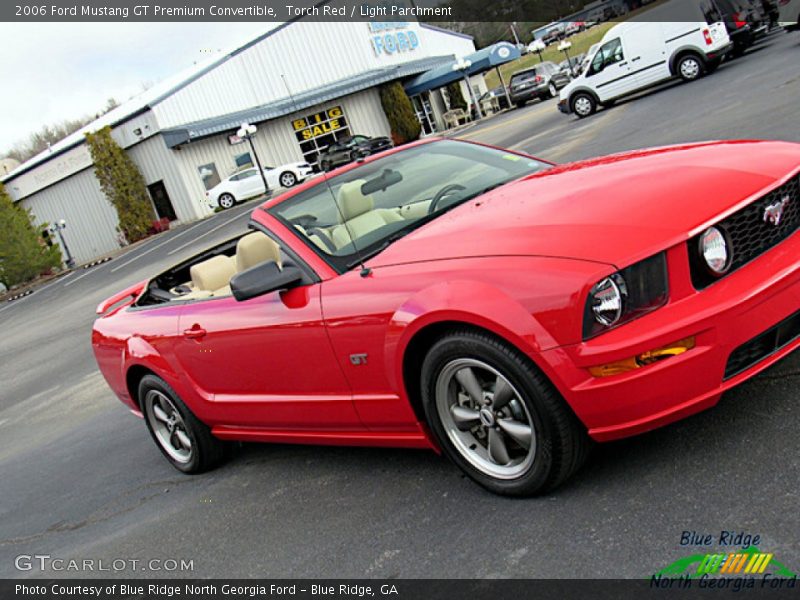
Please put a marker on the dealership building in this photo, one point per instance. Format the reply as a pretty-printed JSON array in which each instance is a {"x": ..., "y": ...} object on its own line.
[{"x": 304, "y": 84}]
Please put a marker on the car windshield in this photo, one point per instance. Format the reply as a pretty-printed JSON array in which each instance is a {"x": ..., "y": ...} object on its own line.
[{"x": 379, "y": 202}]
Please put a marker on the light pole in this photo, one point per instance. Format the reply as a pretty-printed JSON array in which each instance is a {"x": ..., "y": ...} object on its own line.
[
  {"x": 462, "y": 65},
  {"x": 247, "y": 131},
  {"x": 58, "y": 228},
  {"x": 564, "y": 47},
  {"x": 538, "y": 47}
]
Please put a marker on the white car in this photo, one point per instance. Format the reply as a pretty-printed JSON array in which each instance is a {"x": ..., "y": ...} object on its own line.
[{"x": 248, "y": 183}]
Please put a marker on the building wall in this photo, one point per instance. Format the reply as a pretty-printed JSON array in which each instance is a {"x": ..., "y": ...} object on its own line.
[
  {"x": 275, "y": 141},
  {"x": 301, "y": 56},
  {"x": 91, "y": 220},
  {"x": 159, "y": 163}
]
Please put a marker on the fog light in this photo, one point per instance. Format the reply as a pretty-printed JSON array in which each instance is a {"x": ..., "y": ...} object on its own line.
[
  {"x": 643, "y": 359},
  {"x": 715, "y": 251}
]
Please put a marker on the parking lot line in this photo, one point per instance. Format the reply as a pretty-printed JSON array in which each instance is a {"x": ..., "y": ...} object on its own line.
[
  {"x": 81, "y": 276},
  {"x": 157, "y": 246},
  {"x": 210, "y": 231}
]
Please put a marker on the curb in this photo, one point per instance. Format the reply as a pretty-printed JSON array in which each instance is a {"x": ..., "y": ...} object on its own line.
[
  {"x": 18, "y": 296},
  {"x": 99, "y": 261}
]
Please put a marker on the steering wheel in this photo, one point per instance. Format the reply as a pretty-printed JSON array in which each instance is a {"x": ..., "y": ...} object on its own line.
[{"x": 445, "y": 191}]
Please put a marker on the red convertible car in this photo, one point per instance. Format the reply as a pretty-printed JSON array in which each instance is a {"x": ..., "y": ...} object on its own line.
[{"x": 473, "y": 300}]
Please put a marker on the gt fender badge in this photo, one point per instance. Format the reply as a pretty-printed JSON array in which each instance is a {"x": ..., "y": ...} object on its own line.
[
  {"x": 774, "y": 212},
  {"x": 358, "y": 359}
]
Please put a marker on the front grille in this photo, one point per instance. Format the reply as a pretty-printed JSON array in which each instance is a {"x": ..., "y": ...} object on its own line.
[
  {"x": 762, "y": 346},
  {"x": 750, "y": 235}
]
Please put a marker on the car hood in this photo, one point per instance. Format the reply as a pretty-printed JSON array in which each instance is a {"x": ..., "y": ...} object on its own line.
[{"x": 616, "y": 210}]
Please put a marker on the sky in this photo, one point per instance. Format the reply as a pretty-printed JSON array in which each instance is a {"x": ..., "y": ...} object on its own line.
[{"x": 56, "y": 71}]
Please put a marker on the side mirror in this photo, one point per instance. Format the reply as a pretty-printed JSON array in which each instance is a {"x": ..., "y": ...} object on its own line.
[{"x": 264, "y": 278}]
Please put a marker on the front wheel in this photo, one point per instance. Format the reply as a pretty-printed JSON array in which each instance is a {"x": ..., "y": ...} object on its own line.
[
  {"x": 521, "y": 103},
  {"x": 497, "y": 417},
  {"x": 690, "y": 67},
  {"x": 553, "y": 90},
  {"x": 583, "y": 105},
  {"x": 288, "y": 179},
  {"x": 183, "y": 439}
]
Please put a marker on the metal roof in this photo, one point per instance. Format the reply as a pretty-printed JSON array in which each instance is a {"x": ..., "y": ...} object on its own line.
[
  {"x": 481, "y": 61},
  {"x": 184, "y": 134}
]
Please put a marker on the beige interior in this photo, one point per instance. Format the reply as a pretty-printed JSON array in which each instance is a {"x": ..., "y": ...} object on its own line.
[
  {"x": 358, "y": 214},
  {"x": 211, "y": 278}
]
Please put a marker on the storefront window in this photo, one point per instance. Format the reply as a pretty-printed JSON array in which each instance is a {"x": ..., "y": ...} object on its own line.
[
  {"x": 243, "y": 161},
  {"x": 209, "y": 175},
  {"x": 316, "y": 132}
]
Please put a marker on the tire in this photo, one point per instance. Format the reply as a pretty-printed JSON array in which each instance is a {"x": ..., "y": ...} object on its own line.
[
  {"x": 183, "y": 439},
  {"x": 712, "y": 65},
  {"x": 690, "y": 67},
  {"x": 583, "y": 105},
  {"x": 553, "y": 90},
  {"x": 521, "y": 103},
  {"x": 325, "y": 166},
  {"x": 478, "y": 440},
  {"x": 226, "y": 201},
  {"x": 288, "y": 179}
]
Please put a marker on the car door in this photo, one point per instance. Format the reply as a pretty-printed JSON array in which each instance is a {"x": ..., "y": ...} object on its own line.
[
  {"x": 249, "y": 184},
  {"x": 647, "y": 51},
  {"x": 610, "y": 71},
  {"x": 266, "y": 362}
]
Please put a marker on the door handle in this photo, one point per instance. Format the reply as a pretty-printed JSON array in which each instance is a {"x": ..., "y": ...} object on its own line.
[
  {"x": 635, "y": 58},
  {"x": 622, "y": 64},
  {"x": 195, "y": 333}
]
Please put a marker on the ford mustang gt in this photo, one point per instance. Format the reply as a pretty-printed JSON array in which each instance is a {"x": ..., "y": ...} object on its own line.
[{"x": 480, "y": 302}]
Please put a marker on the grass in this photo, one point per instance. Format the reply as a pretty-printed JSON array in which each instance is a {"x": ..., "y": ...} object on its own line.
[{"x": 581, "y": 42}]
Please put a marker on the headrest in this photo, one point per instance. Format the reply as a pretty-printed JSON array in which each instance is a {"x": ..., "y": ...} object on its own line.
[
  {"x": 255, "y": 248},
  {"x": 352, "y": 202},
  {"x": 212, "y": 274}
]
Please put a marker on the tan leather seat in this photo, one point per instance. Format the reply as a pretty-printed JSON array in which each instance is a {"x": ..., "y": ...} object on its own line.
[
  {"x": 211, "y": 278},
  {"x": 359, "y": 214},
  {"x": 255, "y": 248}
]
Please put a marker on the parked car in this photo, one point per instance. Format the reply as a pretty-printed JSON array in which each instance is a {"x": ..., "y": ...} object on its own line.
[
  {"x": 498, "y": 95},
  {"x": 567, "y": 70},
  {"x": 789, "y": 15},
  {"x": 249, "y": 184},
  {"x": 348, "y": 149},
  {"x": 635, "y": 55},
  {"x": 475, "y": 300},
  {"x": 742, "y": 22},
  {"x": 532, "y": 83},
  {"x": 554, "y": 34},
  {"x": 573, "y": 27}
]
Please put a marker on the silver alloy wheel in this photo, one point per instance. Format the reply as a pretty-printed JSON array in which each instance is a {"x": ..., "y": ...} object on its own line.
[
  {"x": 485, "y": 418},
  {"x": 288, "y": 179},
  {"x": 690, "y": 68},
  {"x": 226, "y": 201},
  {"x": 583, "y": 106},
  {"x": 168, "y": 426},
  {"x": 553, "y": 90}
]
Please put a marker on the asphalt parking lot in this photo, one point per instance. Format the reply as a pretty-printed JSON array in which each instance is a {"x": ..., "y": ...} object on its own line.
[{"x": 82, "y": 479}]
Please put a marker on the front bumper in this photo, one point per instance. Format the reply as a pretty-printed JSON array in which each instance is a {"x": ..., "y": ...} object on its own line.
[
  {"x": 722, "y": 318},
  {"x": 563, "y": 106}
]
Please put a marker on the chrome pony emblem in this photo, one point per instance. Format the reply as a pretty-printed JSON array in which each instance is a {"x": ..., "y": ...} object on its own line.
[{"x": 774, "y": 212}]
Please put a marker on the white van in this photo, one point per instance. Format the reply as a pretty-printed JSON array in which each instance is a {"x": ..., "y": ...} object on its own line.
[{"x": 636, "y": 55}]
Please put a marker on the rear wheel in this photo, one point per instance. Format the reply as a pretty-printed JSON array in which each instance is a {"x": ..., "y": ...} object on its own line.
[
  {"x": 690, "y": 67},
  {"x": 288, "y": 179},
  {"x": 521, "y": 103},
  {"x": 497, "y": 417},
  {"x": 583, "y": 104},
  {"x": 553, "y": 90},
  {"x": 226, "y": 201},
  {"x": 183, "y": 439}
]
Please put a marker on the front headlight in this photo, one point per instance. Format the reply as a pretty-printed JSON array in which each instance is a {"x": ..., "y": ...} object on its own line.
[{"x": 626, "y": 295}]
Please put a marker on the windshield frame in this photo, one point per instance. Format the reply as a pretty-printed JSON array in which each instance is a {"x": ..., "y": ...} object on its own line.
[{"x": 345, "y": 263}]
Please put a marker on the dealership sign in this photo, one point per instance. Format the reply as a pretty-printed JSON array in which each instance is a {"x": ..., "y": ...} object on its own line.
[
  {"x": 392, "y": 38},
  {"x": 319, "y": 124}
]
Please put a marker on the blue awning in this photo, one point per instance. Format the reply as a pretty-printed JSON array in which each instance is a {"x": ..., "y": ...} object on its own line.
[{"x": 482, "y": 61}]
